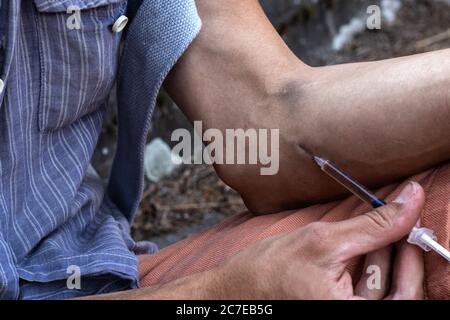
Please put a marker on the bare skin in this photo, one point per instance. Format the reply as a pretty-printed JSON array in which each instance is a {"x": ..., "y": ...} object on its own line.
[
  {"x": 380, "y": 121},
  {"x": 312, "y": 262}
]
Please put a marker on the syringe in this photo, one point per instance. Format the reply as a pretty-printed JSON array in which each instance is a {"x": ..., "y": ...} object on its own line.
[
  {"x": 421, "y": 237},
  {"x": 426, "y": 239}
]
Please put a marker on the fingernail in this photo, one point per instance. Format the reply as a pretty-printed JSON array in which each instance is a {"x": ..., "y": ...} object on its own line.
[{"x": 407, "y": 193}]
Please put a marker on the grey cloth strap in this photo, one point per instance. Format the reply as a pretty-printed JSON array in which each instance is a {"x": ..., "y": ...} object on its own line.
[{"x": 158, "y": 35}]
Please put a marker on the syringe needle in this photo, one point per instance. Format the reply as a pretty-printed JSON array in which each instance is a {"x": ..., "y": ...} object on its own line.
[{"x": 421, "y": 237}]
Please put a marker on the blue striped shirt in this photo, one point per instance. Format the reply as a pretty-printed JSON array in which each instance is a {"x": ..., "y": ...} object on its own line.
[{"x": 54, "y": 214}]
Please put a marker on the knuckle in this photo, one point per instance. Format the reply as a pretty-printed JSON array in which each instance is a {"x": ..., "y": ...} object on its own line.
[
  {"x": 383, "y": 218},
  {"x": 420, "y": 295},
  {"x": 318, "y": 236},
  {"x": 416, "y": 294}
]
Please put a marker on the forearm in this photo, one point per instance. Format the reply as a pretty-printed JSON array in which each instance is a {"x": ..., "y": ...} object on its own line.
[{"x": 200, "y": 286}]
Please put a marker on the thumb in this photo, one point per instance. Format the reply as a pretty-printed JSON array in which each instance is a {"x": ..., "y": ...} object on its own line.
[{"x": 382, "y": 226}]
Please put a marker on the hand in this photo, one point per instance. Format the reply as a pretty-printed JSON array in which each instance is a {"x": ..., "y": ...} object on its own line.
[{"x": 310, "y": 263}]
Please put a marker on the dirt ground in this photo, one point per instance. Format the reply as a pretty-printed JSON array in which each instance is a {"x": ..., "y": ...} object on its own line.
[{"x": 193, "y": 198}]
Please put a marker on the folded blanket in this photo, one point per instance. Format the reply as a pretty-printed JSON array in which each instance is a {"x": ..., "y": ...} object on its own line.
[{"x": 210, "y": 248}]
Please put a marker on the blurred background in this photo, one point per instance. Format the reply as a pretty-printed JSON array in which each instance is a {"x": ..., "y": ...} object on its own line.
[{"x": 180, "y": 201}]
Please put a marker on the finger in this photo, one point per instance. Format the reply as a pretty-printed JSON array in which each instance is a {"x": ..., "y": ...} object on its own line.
[
  {"x": 380, "y": 227},
  {"x": 408, "y": 274},
  {"x": 374, "y": 283}
]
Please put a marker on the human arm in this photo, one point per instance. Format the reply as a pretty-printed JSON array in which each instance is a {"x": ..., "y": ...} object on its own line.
[{"x": 380, "y": 121}]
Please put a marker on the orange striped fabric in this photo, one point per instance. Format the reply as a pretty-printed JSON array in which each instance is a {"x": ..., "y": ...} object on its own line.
[{"x": 210, "y": 248}]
